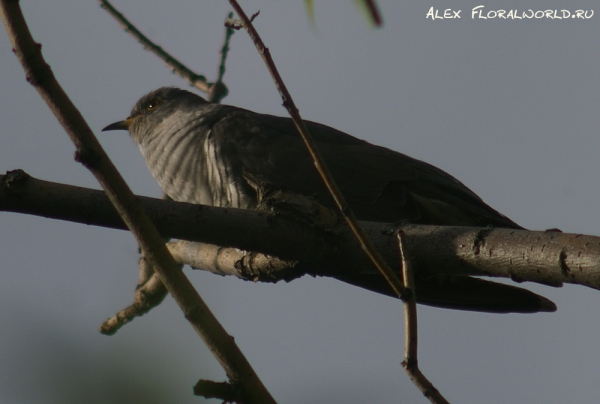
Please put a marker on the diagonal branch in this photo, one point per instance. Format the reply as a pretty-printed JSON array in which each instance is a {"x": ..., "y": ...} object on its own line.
[
  {"x": 197, "y": 80},
  {"x": 365, "y": 243},
  {"x": 92, "y": 156},
  {"x": 216, "y": 91}
]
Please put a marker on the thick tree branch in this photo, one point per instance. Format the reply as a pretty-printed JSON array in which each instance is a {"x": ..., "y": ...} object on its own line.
[
  {"x": 92, "y": 156},
  {"x": 540, "y": 256}
]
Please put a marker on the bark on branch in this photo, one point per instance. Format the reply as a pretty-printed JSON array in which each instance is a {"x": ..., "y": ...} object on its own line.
[{"x": 295, "y": 230}]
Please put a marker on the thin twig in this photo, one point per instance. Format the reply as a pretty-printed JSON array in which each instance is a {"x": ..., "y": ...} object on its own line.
[
  {"x": 149, "y": 293},
  {"x": 92, "y": 156},
  {"x": 411, "y": 363},
  {"x": 337, "y": 196},
  {"x": 225, "y": 49},
  {"x": 197, "y": 80},
  {"x": 218, "y": 90}
]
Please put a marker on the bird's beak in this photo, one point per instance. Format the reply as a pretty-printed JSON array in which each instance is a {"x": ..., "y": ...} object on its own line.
[{"x": 121, "y": 125}]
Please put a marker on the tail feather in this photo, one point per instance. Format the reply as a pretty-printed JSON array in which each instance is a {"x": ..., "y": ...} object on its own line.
[{"x": 463, "y": 293}]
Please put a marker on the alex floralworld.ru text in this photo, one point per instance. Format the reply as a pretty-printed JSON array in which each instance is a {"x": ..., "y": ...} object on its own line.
[{"x": 480, "y": 13}]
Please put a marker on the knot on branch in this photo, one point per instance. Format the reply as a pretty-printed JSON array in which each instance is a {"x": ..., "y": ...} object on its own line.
[
  {"x": 225, "y": 391},
  {"x": 217, "y": 91},
  {"x": 238, "y": 24},
  {"x": 564, "y": 268},
  {"x": 14, "y": 181},
  {"x": 264, "y": 268},
  {"x": 89, "y": 158},
  {"x": 479, "y": 239}
]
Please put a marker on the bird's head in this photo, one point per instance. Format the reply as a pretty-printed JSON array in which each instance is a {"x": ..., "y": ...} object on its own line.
[{"x": 153, "y": 108}]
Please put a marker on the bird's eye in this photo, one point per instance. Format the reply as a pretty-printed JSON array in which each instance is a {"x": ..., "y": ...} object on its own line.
[{"x": 153, "y": 104}]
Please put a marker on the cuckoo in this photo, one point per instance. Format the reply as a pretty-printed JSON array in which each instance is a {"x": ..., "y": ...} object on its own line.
[{"x": 205, "y": 153}]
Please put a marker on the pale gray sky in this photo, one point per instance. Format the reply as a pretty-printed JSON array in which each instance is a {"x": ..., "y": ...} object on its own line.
[{"x": 510, "y": 107}]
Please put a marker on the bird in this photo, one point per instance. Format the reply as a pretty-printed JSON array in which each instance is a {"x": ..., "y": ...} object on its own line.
[{"x": 206, "y": 153}]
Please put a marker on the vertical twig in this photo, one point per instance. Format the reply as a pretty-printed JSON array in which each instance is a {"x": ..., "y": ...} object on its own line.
[
  {"x": 225, "y": 49},
  {"x": 411, "y": 363},
  {"x": 92, "y": 156},
  {"x": 364, "y": 241},
  {"x": 218, "y": 90}
]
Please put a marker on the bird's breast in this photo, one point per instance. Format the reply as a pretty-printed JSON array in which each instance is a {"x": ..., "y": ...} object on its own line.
[{"x": 189, "y": 166}]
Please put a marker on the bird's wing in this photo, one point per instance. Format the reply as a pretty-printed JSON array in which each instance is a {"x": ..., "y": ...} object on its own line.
[{"x": 379, "y": 184}]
